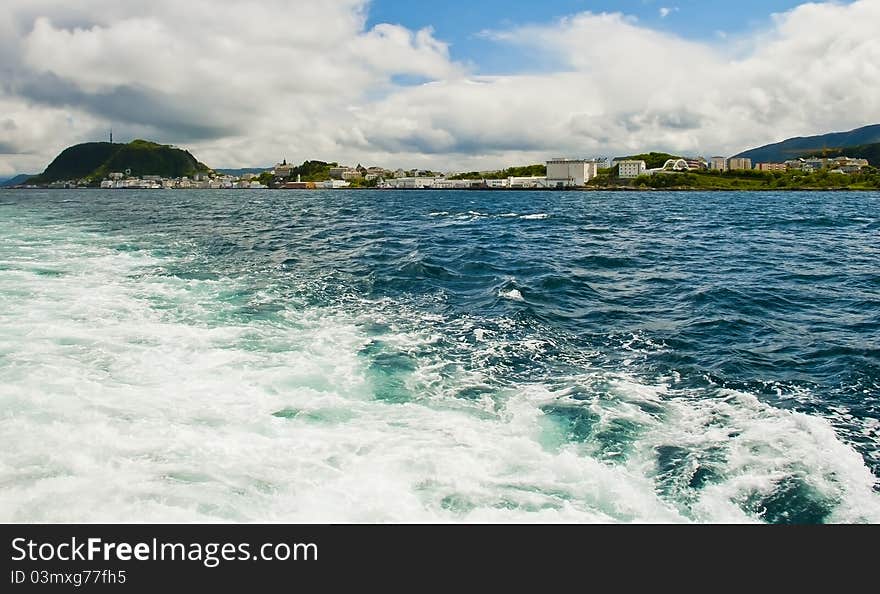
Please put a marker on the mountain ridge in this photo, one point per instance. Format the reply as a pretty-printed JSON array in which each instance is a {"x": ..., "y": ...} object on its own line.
[
  {"x": 801, "y": 146},
  {"x": 15, "y": 181}
]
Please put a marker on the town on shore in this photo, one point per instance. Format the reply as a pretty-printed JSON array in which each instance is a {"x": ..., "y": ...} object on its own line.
[{"x": 652, "y": 170}]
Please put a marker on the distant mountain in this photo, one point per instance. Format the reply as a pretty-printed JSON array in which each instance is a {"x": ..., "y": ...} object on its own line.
[
  {"x": 15, "y": 181},
  {"x": 245, "y": 171},
  {"x": 798, "y": 147},
  {"x": 96, "y": 160},
  {"x": 871, "y": 152}
]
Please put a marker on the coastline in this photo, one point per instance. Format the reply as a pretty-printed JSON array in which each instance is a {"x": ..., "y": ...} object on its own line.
[{"x": 570, "y": 189}]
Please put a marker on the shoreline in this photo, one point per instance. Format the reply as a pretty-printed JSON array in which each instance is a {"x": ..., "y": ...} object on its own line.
[{"x": 570, "y": 189}]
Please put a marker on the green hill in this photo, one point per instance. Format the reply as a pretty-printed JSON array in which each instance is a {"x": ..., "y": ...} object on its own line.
[
  {"x": 798, "y": 147},
  {"x": 525, "y": 171},
  {"x": 95, "y": 160}
]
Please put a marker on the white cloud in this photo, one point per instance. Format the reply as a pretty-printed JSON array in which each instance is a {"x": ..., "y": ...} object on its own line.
[
  {"x": 618, "y": 86},
  {"x": 665, "y": 11},
  {"x": 239, "y": 82},
  {"x": 244, "y": 83}
]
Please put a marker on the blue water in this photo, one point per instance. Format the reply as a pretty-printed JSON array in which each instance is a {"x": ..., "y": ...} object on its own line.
[{"x": 439, "y": 356}]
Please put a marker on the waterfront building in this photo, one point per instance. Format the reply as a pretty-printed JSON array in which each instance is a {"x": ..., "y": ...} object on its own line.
[
  {"x": 529, "y": 182},
  {"x": 414, "y": 183},
  {"x": 570, "y": 173},
  {"x": 718, "y": 164},
  {"x": 334, "y": 184},
  {"x": 631, "y": 169}
]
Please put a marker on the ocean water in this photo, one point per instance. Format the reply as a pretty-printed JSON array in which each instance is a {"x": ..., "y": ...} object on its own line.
[{"x": 251, "y": 356}]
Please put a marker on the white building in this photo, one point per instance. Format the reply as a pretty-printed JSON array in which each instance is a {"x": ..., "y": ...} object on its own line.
[
  {"x": 570, "y": 173},
  {"x": 411, "y": 183},
  {"x": 462, "y": 184},
  {"x": 527, "y": 182},
  {"x": 334, "y": 184},
  {"x": 632, "y": 169}
]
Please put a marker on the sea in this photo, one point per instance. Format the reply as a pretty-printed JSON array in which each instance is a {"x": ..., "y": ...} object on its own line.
[{"x": 439, "y": 357}]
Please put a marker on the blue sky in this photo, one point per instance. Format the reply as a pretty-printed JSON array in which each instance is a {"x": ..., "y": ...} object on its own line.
[{"x": 459, "y": 22}]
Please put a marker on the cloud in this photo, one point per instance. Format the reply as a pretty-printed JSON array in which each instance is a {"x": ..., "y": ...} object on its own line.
[
  {"x": 244, "y": 84},
  {"x": 618, "y": 86},
  {"x": 240, "y": 82},
  {"x": 666, "y": 11}
]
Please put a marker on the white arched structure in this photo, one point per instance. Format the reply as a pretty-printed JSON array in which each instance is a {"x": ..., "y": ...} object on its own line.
[{"x": 676, "y": 165}]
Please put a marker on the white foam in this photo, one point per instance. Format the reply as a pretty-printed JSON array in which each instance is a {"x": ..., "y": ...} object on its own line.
[
  {"x": 481, "y": 334},
  {"x": 513, "y": 295},
  {"x": 125, "y": 400},
  {"x": 535, "y": 217}
]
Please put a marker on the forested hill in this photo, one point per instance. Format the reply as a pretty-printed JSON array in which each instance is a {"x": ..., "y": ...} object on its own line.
[{"x": 95, "y": 160}]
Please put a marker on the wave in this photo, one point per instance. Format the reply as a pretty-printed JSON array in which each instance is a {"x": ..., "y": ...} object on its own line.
[
  {"x": 285, "y": 394},
  {"x": 512, "y": 295}
]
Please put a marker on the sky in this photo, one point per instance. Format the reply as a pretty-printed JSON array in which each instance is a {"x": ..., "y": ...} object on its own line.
[{"x": 457, "y": 85}]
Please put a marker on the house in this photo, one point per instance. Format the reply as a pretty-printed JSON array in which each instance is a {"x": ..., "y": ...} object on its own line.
[{"x": 631, "y": 169}]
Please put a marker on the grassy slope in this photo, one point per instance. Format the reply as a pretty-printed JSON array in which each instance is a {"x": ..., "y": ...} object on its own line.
[{"x": 746, "y": 180}]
